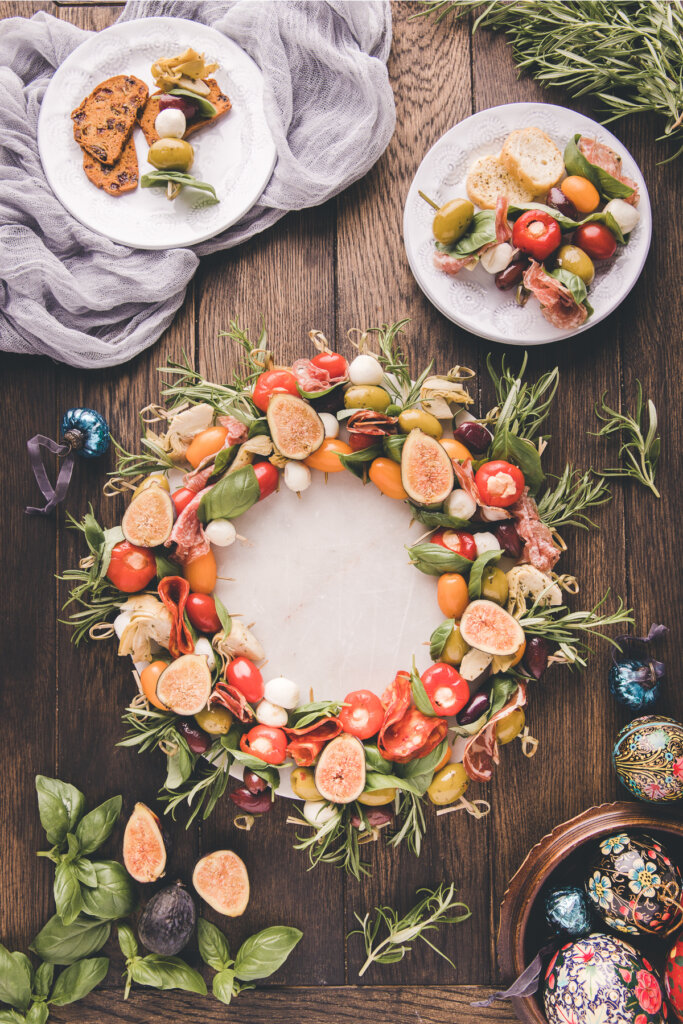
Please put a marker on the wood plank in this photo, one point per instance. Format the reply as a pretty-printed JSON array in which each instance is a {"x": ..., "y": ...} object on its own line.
[{"x": 25, "y": 9}]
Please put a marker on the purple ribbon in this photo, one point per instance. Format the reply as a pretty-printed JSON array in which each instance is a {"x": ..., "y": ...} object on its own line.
[
  {"x": 526, "y": 984},
  {"x": 52, "y": 495}
]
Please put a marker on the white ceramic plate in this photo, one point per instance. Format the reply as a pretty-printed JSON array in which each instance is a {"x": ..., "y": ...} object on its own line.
[
  {"x": 471, "y": 299},
  {"x": 236, "y": 154}
]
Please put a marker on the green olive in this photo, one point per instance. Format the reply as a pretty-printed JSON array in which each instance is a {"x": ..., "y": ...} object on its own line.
[
  {"x": 455, "y": 647},
  {"x": 494, "y": 585},
  {"x": 366, "y": 396},
  {"x": 171, "y": 155},
  {"x": 576, "y": 261},
  {"x": 448, "y": 785},
  {"x": 452, "y": 220},
  {"x": 215, "y": 720},
  {"x": 418, "y": 419},
  {"x": 303, "y": 784},
  {"x": 510, "y": 727},
  {"x": 377, "y": 797}
]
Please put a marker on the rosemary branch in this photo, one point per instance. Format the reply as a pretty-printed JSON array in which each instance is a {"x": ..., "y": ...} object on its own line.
[
  {"x": 398, "y": 379},
  {"x": 521, "y": 407},
  {"x": 566, "y": 504},
  {"x": 564, "y": 629},
  {"x": 639, "y": 450}
]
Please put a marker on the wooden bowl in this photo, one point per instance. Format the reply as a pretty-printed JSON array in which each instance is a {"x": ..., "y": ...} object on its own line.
[{"x": 556, "y": 860}]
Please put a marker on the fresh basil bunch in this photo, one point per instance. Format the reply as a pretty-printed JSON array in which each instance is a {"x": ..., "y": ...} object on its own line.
[
  {"x": 29, "y": 992},
  {"x": 164, "y": 972},
  {"x": 99, "y": 889},
  {"x": 258, "y": 957}
]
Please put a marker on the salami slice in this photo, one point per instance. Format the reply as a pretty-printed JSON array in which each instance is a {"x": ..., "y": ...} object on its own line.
[
  {"x": 602, "y": 156},
  {"x": 558, "y": 305},
  {"x": 306, "y": 743},
  {"x": 482, "y": 751},
  {"x": 232, "y": 699},
  {"x": 539, "y": 549},
  {"x": 174, "y": 592},
  {"x": 405, "y": 732}
]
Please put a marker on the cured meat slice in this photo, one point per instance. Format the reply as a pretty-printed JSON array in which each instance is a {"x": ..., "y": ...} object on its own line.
[
  {"x": 237, "y": 431},
  {"x": 602, "y": 156},
  {"x": 451, "y": 265},
  {"x": 539, "y": 549},
  {"x": 148, "y": 116},
  {"x": 306, "y": 744},
  {"x": 232, "y": 699},
  {"x": 405, "y": 732},
  {"x": 503, "y": 229},
  {"x": 558, "y": 305},
  {"x": 482, "y": 752},
  {"x": 174, "y": 592},
  {"x": 103, "y": 122},
  {"x": 188, "y": 533},
  {"x": 122, "y": 176}
]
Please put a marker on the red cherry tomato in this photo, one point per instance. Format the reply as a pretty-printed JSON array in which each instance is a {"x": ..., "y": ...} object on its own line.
[
  {"x": 131, "y": 568},
  {"x": 499, "y": 483},
  {"x": 447, "y": 690},
  {"x": 243, "y": 674},
  {"x": 335, "y": 364},
  {"x": 181, "y": 498},
  {"x": 597, "y": 240},
  {"x": 536, "y": 233},
  {"x": 201, "y": 611},
  {"x": 273, "y": 382},
  {"x": 364, "y": 714},
  {"x": 267, "y": 476},
  {"x": 265, "y": 742},
  {"x": 460, "y": 542}
]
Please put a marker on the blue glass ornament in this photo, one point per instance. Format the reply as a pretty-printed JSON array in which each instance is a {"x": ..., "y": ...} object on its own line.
[
  {"x": 86, "y": 432},
  {"x": 635, "y": 679},
  {"x": 567, "y": 911}
]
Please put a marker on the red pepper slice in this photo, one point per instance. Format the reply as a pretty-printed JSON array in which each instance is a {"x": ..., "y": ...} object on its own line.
[
  {"x": 174, "y": 592},
  {"x": 306, "y": 743},
  {"x": 537, "y": 233}
]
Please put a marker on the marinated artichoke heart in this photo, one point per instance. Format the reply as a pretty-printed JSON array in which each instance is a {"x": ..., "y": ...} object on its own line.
[
  {"x": 185, "y": 71},
  {"x": 183, "y": 426},
  {"x": 527, "y": 585},
  {"x": 149, "y": 621},
  {"x": 439, "y": 394}
]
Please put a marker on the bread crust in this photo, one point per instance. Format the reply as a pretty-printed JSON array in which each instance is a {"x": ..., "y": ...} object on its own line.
[
  {"x": 520, "y": 156},
  {"x": 148, "y": 115},
  {"x": 103, "y": 121},
  {"x": 116, "y": 179},
  {"x": 488, "y": 179}
]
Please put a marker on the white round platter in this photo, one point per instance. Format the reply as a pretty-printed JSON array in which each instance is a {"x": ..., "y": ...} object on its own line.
[
  {"x": 471, "y": 299},
  {"x": 236, "y": 154}
]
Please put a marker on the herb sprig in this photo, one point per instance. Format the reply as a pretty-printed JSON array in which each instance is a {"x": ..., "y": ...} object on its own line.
[
  {"x": 640, "y": 447},
  {"x": 522, "y": 408},
  {"x": 258, "y": 957},
  {"x": 155, "y": 971},
  {"x": 567, "y": 503},
  {"x": 564, "y": 629},
  {"x": 398, "y": 380}
]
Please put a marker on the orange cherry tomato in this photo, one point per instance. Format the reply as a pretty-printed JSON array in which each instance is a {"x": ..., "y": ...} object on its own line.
[
  {"x": 208, "y": 442},
  {"x": 519, "y": 654},
  {"x": 386, "y": 476},
  {"x": 455, "y": 449},
  {"x": 201, "y": 573},
  {"x": 582, "y": 193},
  {"x": 326, "y": 459},
  {"x": 452, "y": 594},
  {"x": 149, "y": 678},
  {"x": 444, "y": 760}
]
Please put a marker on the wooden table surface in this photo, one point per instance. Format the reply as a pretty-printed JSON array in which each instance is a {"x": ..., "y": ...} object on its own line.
[{"x": 334, "y": 267}]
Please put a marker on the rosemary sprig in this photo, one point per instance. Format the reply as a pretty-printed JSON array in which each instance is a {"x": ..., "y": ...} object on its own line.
[
  {"x": 639, "y": 450},
  {"x": 566, "y": 504},
  {"x": 521, "y": 408},
  {"x": 565, "y": 629},
  {"x": 398, "y": 379},
  {"x": 147, "y": 728},
  {"x": 90, "y": 590},
  {"x": 334, "y": 842},
  {"x": 436, "y": 908},
  {"x": 185, "y": 384},
  {"x": 152, "y": 459},
  {"x": 413, "y": 827},
  {"x": 201, "y": 793},
  {"x": 627, "y": 55}
]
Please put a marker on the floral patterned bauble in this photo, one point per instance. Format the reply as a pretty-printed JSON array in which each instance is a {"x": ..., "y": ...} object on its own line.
[
  {"x": 634, "y": 885},
  {"x": 601, "y": 980},
  {"x": 673, "y": 978},
  {"x": 648, "y": 758}
]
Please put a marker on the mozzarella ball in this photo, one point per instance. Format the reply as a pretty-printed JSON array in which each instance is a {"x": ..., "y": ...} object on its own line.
[
  {"x": 282, "y": 691},
  {"x": 318, "y": 812},
  {"x": 624, "y": 214},
  {"x": 170, "y": 123},
  {"x": 120, "y": 623},
  {"x": 486, "y": 542},
  {"x": 330, "y": 423},
  {"x": 297, "y": 477},
  {"x": 460, "y": 504},
  {"x": 268, "y": 713},
  {"x": 366, "y": 369},
  {"x": 220, "y": 532},
  {"x": 204, "y": 649},
  {"x": 498, "y": 258}
]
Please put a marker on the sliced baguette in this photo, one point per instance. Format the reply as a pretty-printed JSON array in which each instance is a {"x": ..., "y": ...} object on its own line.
[
  {"x": 532, "y": 156},
  {"x": 488, "y": 179}
]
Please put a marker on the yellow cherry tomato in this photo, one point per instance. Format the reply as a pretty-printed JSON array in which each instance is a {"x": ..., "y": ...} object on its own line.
[
  {"x": 149, "y": 678},
  {"x": 201, "y": 574},
  {"x": 326, "y": 458},
  {"x": 455, "y": 449},
  {"x": 509, "y": 728},
  {"x": 582, "y": 193},
  {"x": 452, "y": 594},
  {"x": 386, "y": 476},
  {"x": 153, "y": 480},
  {"x": 208, "y": 442}
]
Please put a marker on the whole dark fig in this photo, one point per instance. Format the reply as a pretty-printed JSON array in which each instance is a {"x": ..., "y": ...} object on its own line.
[
  {"x": 476, "y": 706},
  {"x": 253, "y": 782},
  {"x": 168, "y": 920},
  {"x": 474, "y": 436},
  {"x": 536, "y": 656},
  {"x": 253, "y": 803},
  {"x": 509, "y": 540},
  {"x": 197, "y": 740}
]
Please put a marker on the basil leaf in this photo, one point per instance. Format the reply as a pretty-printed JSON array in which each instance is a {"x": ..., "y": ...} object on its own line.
[
  {"x": 481, "y": 232},
  {"x": 439, "y": 637},
  {"x": 85, "y": 872},
  {"x": 420, "y": 771},
  {"x": 73, "y": 848},
  {"x": 502, "y": 690},
  {"x": 376, "y": 780},
  {"x": 93, "y": 532},
  {"x": 223, "y": 461},
  {"x": 114, "y": 895},
  {"x": 213, "y": 945},
  {"x": 434, "y": 519},
  {"x": 76, "y": 981},
  {"x": 206, "y": 107},
  {"x": 230, "y": 497},
  {"x": 37, "y": 1014},
  {"x": 223, "y": 615},
  {"x": 167, "y": 972},
  {"x": 58, "y": 943},
  {"x": 179, "y": 767},
  {"x": 573, "y": 282},
  {"x": 259, "y": 426},
  {"x": 420, "y": 698},
  {"x": 111, "y": 538},
  {"x": 268, "y": 772},
  {"x": 522, "y": 453},
  {"x": 60, "y": 807},
  {"x": 11, "y": 1017},
  {"x": 392, "y": 446},
  {"x": 127, "y": 941},
  {"x": 165, "y": 567},
  {"x": 433, "y": 559},
  {"x": 16, "y": 976},
  {"x": 357, "y": 462},
  {"x": 97, "y": 825},
  {"x": 263, "y": 953},
  {"x": 157, "y": 179},
  {"x": 67, "y": 892},
  {"x": 224, "y": 985},
  {"x": 608, "y": 186},
  {"x": 307, "y": 714},
  {"x": 374, "y": 760},
  {"x": 43, "y": 981},
  {"x": 477, "y": 572}
]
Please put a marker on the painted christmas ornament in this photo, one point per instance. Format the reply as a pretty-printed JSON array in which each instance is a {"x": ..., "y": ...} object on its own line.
[
  {"x": 635, "y": 679},
  {"x": 601, "y": 979},
  {"x": 673, "y": 978},
  {"x": 634, "y": 886},
  {"x": 648, "y": 758},
  {"x": 567, "y": 910}
]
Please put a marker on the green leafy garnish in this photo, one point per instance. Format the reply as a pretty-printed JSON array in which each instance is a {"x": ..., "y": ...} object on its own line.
[
  {"x": 258, "y": 957},
  {"x": 164, "y": 972},
  {"x": 640, "y": 448},
  {"x": 567, "y": 503},
  {"x": 206, "y": 107},
  {"x": 159, "y": 179},
  {"x": 565, "y": 629}
]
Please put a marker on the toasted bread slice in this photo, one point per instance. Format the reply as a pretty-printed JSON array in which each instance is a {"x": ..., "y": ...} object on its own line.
[
  {"x": 104, "y": 120},
  {"x": 533, "y": 157},
  {"x": 488, "y": 179},
  {"x": 148, "y": 116},
  {"x": 122, "y": 176}
]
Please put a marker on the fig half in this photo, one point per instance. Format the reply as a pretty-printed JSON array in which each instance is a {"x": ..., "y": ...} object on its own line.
[
  {"x": 340, "y": 772},
  {"x": 295, "y": 427},
  {"x": 185, "y": 686},
  {"x": 148, "y": 520},
  {"x": 144, "y": 850},
  {"x": 426, "y": 470},
  {"x": 222, "y": 881}
]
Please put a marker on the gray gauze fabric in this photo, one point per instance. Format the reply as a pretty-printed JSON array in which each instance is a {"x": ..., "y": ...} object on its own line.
[{"x": 74, "y": 295}]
